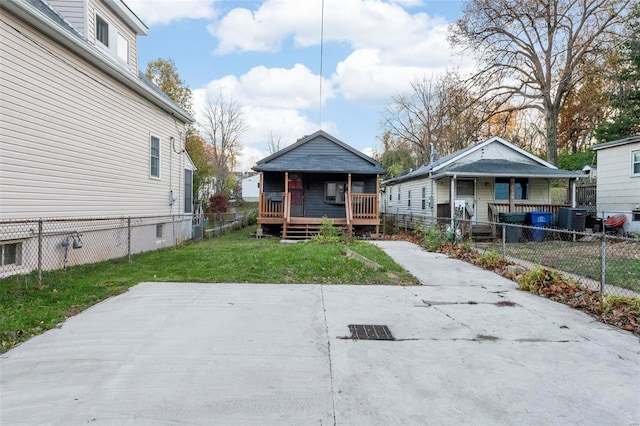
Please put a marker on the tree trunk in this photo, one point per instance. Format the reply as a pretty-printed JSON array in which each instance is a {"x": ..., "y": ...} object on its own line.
[{"x": 551, "y": 125}]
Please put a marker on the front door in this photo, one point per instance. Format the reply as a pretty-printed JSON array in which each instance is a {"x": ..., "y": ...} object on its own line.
[
  {"x": 296, "y": 192},
  {"x": 466, "y": 198}
]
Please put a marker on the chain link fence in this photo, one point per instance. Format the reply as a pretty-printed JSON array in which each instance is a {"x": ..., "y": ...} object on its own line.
[
  {"x": 602, "y": 261},
  {"x": 49, "y": 244}
]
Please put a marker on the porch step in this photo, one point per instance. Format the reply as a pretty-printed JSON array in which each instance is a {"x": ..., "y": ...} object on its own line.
[
  {"x": 303, "y": 231},
  {"x": 482, "y": 233}
]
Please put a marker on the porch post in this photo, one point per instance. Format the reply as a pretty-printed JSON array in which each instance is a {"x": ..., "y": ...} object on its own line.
[
  {"x": 512, "y": 195},
  {"x": 286, "y": 182},
  {"x": 348, "y": 200},
  {"x": 260, "y": 194},
  {"x": 452, "y": 196},
  {"x": 572, "y": 193},
  {"x": 377, "y": 201}
]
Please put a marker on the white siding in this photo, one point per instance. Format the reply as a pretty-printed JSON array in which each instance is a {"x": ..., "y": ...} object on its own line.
[
  {"x": 402, "y": 206},
  {"x": 250, "y": 190},
  {"x": 74, "y": 12},
  {"x": 618, "y": 190},
  {"x": 73, "y": 141},
  {"x": 96, "y": 6},
  {"x": 495, "y": 151}
]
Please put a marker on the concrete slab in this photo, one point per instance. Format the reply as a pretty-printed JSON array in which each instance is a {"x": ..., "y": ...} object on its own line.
[{"x": 166, "y": 353}]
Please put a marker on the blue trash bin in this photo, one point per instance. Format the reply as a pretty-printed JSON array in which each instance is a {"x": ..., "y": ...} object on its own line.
[{"x": 539, "y": 220}]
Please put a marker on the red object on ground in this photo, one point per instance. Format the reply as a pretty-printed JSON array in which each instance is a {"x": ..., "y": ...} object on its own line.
[{"x": 615, "y": 221}]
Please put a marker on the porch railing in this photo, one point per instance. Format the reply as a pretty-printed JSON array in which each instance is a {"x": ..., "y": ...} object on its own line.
[
  {"x": 364, "y": 206},
  {"x": 272, "y": 206},
  {"x": 496, "y": 208}
]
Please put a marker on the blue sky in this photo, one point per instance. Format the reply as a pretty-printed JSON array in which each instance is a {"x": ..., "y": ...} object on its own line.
[{"x": 266, "y": 55}]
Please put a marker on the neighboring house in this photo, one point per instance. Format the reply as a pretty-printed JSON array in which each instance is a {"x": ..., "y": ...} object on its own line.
[
  {"x": 251, "y": 188},
  {"x": 618, "y": 184},
  {"x": 318, "y": 176},
  {"x": 82, "y": 132},
  {"x": 476, "y": 183}
]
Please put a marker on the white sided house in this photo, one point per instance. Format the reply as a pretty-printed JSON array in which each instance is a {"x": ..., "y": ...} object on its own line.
[
  {"x": 618, "y": 185},
  {"x": 251, "y": 188},
  {"x": 84, "y": 135},
  {"x": 476, "y": 183}
]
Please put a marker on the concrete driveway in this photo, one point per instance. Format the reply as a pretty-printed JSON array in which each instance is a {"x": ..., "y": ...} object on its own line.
[{"x": 469, "y": 349}]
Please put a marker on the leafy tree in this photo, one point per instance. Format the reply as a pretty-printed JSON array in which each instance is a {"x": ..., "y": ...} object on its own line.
[
  {"x": 201, "y": 154},
  {"x": 164, "y": 74},
  {"x": 536, "y": 51},
  {"x": 223, "y": 126},
  {"x": 626, "y": 99},
  {"x": 575, "y": 161}
]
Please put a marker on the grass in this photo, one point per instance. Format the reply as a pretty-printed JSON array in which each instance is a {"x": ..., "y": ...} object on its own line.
[
  {"x": 583, "y": 259},
  {"x": 27, "y": 309}
]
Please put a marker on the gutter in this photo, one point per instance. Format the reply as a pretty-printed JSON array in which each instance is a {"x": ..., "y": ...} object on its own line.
[{"x": 91, "y": 54}]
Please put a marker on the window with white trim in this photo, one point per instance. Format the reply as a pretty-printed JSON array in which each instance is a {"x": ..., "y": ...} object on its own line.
[
  {"x": 111, "y": 39},
  {"x": 409, "y": 198},
  {"x": 635, "y": 163},
  {"x": 11, "y": 254},
  {"x": 188, "y": 191},
  {"x": 154, "y": 157},
  {"x": 424, "y": 198}
]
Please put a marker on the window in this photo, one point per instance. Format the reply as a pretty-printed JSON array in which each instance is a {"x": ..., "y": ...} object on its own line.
[
  {"x": 334, "y": 192},
  {"x": 357, "y": 187},
  {"x": 188, "y": 191},
  {"x": 398, "y": 192},
  {"x": 390, "y": 195},
  {"x": 409, "y": 199},
  {"x": 102, "y": 31},
  {"x": 122, "y": 48},
  {"x": 424, "y": 196},
  {"x": 159, "y": 231},
  {"x": 113, "y": 40},
  {"x": 465, "y": 188},
  {"x": 154, "y": 160},
  {"x": 635, "y": 163},
  {"x": 11, "y": 254},
  {"x": 502, "y": 189}
]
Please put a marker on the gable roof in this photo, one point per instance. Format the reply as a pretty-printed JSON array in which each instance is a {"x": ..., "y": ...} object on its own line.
[
  {"x": 355, "y": 162},
  {"x": 446, "y": 166},
  {"x": 43, "y": 17},
  {"x": 617, "y": 142}
]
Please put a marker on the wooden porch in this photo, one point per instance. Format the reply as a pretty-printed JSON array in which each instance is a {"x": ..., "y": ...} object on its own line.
[{"x": 275, "y": 209}]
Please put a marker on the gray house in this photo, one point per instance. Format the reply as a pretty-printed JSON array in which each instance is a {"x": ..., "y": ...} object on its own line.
[{"x": 318, "y": 176}]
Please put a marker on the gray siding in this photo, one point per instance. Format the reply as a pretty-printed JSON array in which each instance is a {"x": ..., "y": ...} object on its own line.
[{"x": 319, "y": 151}]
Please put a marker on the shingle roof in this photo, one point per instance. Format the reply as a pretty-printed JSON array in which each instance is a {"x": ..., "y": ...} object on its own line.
[
  {"x": 618, "y": 142},
  {"x": 505, "y": 168},
  {"x": 357, "y": 162}
]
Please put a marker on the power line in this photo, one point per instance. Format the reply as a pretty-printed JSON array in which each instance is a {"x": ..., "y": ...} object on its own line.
[{"x": 321, "y": 56}]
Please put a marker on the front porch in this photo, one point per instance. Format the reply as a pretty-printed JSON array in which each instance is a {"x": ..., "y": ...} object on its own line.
[{"x": 361, "y": 214}]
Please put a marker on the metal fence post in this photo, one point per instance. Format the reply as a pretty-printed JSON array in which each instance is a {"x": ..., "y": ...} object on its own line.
[
  {"x": 129, "y": 239},
  {"x": 40, "y": 252},
  {"x": 504, "y": 241},
  {"x": 603, "y": 262}
]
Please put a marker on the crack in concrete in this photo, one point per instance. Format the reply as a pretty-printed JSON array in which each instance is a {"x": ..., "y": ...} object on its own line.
[
  {"x": 326, "y": 328},
  {"x": 502, "y": 303}
]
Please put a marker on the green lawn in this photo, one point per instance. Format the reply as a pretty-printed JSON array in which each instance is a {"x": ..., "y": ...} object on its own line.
[{"x": 27, "y": 309}]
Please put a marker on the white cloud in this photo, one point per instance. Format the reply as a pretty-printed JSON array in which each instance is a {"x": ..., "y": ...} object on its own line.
[
  {"x": 154, "y": 12},
  {"x": 390, "y": 46},
  {"x": 359, "y": 23},
  {"x": 295, "y": 87}
]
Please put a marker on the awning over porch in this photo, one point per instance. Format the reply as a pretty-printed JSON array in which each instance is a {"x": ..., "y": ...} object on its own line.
[{"x": 505, "y": 168}]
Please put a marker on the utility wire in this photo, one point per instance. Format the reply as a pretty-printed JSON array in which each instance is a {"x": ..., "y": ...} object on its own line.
[{"x": 321, "y": 56}]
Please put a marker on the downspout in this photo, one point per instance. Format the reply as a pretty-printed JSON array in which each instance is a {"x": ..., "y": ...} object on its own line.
[{"x": 452, "y": 196}]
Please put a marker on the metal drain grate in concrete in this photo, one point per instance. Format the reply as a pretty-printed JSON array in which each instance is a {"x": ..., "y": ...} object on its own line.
[{"x": 370, "y": 332}]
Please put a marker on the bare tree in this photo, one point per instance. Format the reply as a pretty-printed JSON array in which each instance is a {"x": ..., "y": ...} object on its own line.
[
  {"x": 445, "y": 113},
  {"x": 536, "y": 51},
  {"x": 274, "y": 142},
  {"x": 222, "y": 128}
]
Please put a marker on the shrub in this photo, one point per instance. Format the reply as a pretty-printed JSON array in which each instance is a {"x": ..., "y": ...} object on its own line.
[
  {"x": 328, "y": 233},
  {"x": 432, "y": 239},
  {"x": 490, "y": 260},
  {"x": 218, "y": 203}
]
